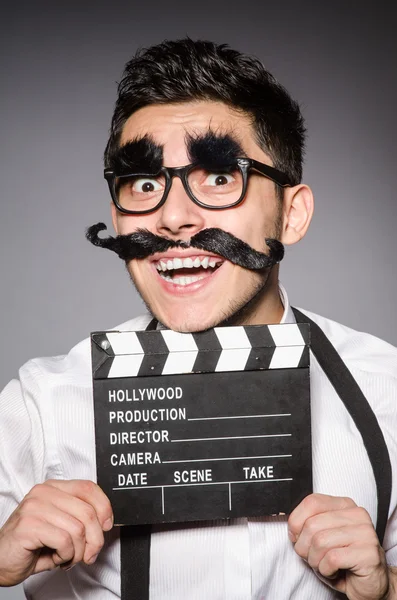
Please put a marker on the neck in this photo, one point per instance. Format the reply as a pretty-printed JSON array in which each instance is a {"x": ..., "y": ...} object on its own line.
[{"x": 264, "y": 308}]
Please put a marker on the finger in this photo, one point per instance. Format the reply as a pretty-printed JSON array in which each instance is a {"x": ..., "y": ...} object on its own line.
[
  {"x": 89, "y": 492},
  {"x": 330, "y": 520},
  {"x": 45, "y": 535},
  {"x": 355, "y": 558},
  {"x": 49, "y": 560},
  {"x": 313, "y": 505},
  {"x": 79, "y": 519},
  {"x": 325, "y": 540},
  {"x": 84, "y": 525},
  {"x": 45, "y": 563}
]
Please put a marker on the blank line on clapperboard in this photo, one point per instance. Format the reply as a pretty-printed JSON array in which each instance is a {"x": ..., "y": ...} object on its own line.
[
  {"x": 239, "y": 417},
  {"x": 226, "y": 458},
  {"x": 170, "y": 485},
  {"x": 237, "y": 437}
]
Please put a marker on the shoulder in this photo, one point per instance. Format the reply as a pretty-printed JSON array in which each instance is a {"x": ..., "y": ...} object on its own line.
[
  {"x": 359, "y": 350},
  {"x": 73, "y": 368}
]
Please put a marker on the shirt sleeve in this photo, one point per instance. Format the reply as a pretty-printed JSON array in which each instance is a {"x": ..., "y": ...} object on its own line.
[{"x": 23, "y": 451}]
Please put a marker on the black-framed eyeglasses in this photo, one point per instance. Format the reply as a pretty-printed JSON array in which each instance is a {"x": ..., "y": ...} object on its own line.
[{"x": 143, "y": 193}]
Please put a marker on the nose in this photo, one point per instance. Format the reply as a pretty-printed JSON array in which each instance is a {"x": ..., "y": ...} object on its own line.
[{"x": 179, "y": 216}]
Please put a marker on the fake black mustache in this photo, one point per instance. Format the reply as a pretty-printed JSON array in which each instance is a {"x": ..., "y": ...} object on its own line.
[{"x": 142, "y": 243}]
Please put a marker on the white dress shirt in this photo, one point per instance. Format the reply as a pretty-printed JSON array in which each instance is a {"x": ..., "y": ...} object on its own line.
[{"x": 47, "y": 431}]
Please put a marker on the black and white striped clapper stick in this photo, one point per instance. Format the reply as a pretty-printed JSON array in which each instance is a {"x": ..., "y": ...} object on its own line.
[{"x": 167, "y": 352}]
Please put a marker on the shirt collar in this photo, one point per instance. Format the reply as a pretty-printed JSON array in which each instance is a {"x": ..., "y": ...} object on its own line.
[{"x": 288, "y": 315}]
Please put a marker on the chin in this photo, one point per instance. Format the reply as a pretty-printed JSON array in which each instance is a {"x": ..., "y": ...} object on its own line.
[
  {"x": 186, "y": 322},
  {"x": 187, "y": 325}
]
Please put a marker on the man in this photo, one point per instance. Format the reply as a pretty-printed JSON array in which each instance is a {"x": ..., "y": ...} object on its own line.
[{"x": 194, "y": 103}]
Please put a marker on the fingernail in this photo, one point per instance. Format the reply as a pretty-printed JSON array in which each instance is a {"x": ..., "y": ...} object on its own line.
[
  {"x": 92, "y": 559},
  {"x": 108, "y": 524},
  {"x": 291, "y": 536}
]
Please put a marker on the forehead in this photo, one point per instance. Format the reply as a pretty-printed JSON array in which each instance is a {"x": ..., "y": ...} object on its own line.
[{"x": 168, "y": 124}]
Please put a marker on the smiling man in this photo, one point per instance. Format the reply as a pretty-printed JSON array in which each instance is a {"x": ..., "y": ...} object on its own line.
[
  {"x": 204, "y": 166},
  {"x": 215, "y": 290}
]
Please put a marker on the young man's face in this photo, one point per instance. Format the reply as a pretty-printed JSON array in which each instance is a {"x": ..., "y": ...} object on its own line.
[{"x": 213, "y": 294}]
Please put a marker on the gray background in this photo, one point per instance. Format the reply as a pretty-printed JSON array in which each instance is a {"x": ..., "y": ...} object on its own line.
[{"x": 59, "y": 64}]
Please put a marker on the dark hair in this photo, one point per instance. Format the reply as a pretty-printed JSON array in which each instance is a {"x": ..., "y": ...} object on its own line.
[{"x": 186, "y": 70}]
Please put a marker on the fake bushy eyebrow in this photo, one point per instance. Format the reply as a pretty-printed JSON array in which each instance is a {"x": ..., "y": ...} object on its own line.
[
  {"x": 141, "y": 155},
  {"x": 213, "y": 150}
]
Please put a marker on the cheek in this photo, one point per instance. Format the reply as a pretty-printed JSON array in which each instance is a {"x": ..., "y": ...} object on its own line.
[
  {"x": 129, "y": 223},
  {"x": 141, "y": 277},
  {"x": 255, "y": 218},
  {"x": 249, "y": 226}
]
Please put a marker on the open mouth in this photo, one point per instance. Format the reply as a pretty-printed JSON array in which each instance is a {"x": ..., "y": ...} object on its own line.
[{"x": 184, "y": 271}]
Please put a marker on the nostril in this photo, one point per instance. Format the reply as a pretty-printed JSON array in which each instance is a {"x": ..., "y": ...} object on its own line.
[{"x": 178, "y": 229}]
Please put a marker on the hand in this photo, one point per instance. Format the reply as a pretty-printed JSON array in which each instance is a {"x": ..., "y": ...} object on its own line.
[
  {"x": 57, "y": 523},
  {"x": 336, "y": 537}
]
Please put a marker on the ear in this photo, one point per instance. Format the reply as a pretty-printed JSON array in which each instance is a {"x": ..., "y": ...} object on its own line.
[
  {"x": 115, "y": 215},
  {"x": 298, "y": 207}
]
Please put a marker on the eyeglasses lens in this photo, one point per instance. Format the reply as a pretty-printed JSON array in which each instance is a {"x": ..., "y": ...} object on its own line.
[
  {"x": 216, "y": 188},
  {"x": 139, "y": 192},
  {"x": 211, "y": 188}
]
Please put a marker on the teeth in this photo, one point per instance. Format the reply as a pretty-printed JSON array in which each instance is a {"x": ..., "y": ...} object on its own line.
[
  {"x": 178, "y": 263},
  {"x": 161, "y": 266},
  {"x": 180, "y": 280},
  {"x": 186, "y": 280},
  {"x": 173, "y": 264}
]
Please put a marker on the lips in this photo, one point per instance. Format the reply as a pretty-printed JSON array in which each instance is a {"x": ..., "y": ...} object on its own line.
[{"x": 183, "y": 271}]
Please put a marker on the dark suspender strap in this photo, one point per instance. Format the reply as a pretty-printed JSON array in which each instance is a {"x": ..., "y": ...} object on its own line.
[
  {"x": 135, "y": 551},
  {"x": 361, "y": 412},
  {"x": 135, "y": 561},
  {"x": 152, "y": 325}
]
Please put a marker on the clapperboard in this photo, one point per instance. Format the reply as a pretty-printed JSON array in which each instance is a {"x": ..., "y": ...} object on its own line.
[{"x": 202, "y": 426}]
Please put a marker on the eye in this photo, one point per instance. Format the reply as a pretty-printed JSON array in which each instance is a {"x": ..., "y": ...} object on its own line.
[
  {"x": 146, "y": 185},
  {"x": 218, "y": 179}
]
